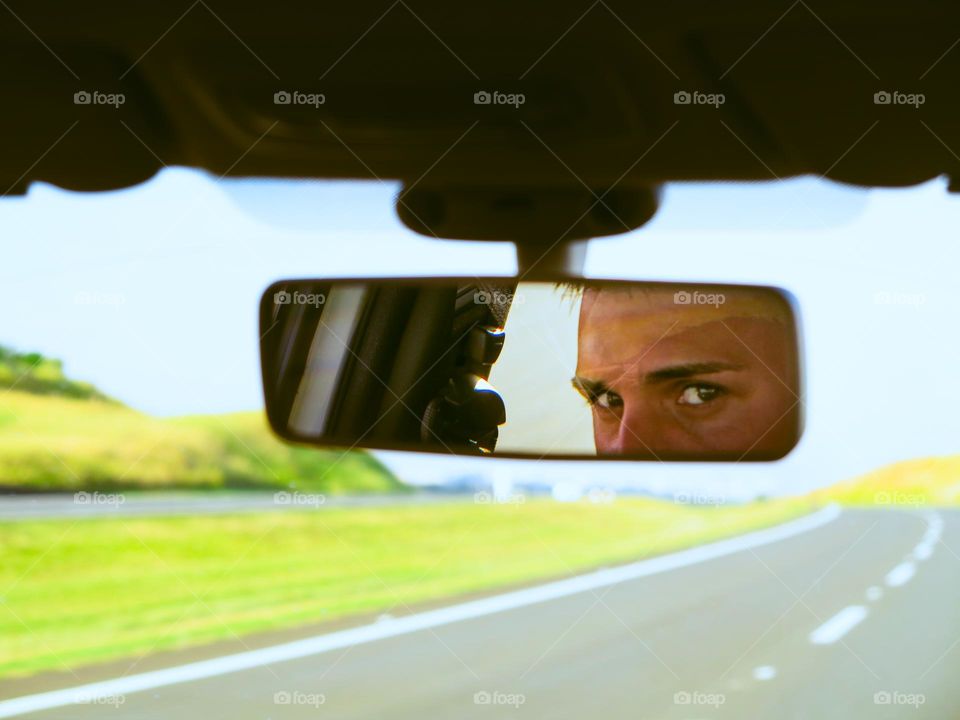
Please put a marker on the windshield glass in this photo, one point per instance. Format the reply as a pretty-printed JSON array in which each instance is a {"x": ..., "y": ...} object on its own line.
[{"x": 150, "y": 521}]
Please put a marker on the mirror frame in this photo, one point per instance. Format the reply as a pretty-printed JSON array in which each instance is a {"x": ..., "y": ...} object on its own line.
[{"x": 266, "y": 303}]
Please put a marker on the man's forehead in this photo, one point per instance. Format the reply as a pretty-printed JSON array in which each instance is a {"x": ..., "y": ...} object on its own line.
[
  {"x": 647, "y": 346},
  {"x": 666, "y": 305},
  {"x": 656, "y": 341}
]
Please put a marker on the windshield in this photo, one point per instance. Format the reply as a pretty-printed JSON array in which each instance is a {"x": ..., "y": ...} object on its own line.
[{"x": 164, "y": 553}]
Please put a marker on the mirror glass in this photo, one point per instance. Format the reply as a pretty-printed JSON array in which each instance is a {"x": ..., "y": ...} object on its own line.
[{"x": 587, "y": 368}]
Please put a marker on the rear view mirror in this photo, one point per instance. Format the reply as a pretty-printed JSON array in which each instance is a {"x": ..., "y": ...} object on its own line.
[{"x": 650, "y": 371}]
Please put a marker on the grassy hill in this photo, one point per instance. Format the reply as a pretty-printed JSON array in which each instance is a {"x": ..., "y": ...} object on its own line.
[
  {"x": 60, "y": 434},
  {"x": 57, "y": 443},
  {"x": 40, "y": 375},
  {"x": 924, "y": 481}
]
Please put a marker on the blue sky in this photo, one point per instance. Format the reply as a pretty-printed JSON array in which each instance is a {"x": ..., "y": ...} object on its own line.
[{"x": 151, "y": 293}]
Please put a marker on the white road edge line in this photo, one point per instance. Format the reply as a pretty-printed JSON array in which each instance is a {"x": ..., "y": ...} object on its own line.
[
  {"x": 901, "y": 574},
  {"x": 924, "y": 549},
  {"x": 839, "y": 625},
  {"x": 764, "y": 673},
  {"x": 413, "y": 623}
]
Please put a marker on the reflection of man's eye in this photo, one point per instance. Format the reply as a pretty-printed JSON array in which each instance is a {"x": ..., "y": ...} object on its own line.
[
  {"x": 607, "y": 399},
  {"x": 597, "y": 394},
  {"x": 699, "y": 394}
]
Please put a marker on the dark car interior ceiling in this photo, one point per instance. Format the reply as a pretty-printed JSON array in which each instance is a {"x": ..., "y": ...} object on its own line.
[{"x": 199, "y": 84}]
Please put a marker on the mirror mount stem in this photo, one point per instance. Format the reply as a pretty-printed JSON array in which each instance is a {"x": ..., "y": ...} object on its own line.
[{"x": 548, "y": 260}]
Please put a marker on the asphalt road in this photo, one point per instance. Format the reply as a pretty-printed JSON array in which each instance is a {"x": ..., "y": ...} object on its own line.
[
  {"x": 856, "y": 618},
  {"x": 19, "y": 507}
]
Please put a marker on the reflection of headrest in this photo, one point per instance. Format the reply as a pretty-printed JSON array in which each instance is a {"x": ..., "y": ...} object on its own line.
[{"x": 499, "y": 298}]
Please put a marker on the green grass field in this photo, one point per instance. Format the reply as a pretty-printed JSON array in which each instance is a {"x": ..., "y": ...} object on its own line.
[
  {"x": 76, "y": 593},
  {"x": 50, "y": 442}
]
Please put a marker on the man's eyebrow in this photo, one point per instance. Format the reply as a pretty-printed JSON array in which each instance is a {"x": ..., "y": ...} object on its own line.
[
  {"x": 677, "y": 372},
  {"x": 587, "y": 387}
]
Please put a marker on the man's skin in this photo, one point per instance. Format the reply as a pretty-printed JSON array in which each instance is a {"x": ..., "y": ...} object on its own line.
[{"x": 669, "y": 380}]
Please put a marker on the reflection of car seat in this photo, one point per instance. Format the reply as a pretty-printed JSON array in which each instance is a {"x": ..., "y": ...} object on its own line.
[{"x": 414, "y": 363}]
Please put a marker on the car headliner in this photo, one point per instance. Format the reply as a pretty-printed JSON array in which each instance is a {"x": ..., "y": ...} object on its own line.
[{"x": 600, "y": 116}]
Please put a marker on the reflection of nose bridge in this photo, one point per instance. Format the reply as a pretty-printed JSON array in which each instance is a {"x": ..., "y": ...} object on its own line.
[{"x": 637, "y": 423}]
